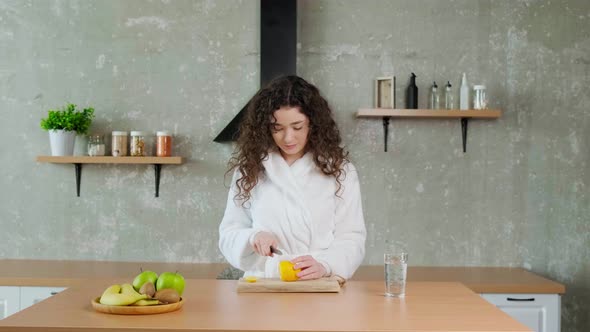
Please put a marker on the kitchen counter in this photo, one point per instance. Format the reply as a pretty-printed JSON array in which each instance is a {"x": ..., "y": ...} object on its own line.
[
  {"x": 478, "y": 279},
  {"x": 214, "y": 305},
  {"x": 52, "y": 273},
  {"x": 16, "y": 272}
]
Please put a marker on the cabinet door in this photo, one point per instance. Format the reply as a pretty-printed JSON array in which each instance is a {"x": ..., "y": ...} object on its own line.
[
  {"x": 32, "y": 295},
  {"x": 9, "y": 300},
  {"x": 539, "y": 312}
]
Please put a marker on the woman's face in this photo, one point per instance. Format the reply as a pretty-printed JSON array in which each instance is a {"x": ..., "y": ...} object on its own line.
[{"x": 290, "y": 132}]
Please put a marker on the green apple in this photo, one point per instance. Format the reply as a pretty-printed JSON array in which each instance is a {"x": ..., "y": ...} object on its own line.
[
  {"x": 144, "y": 277},
  {"x": 171, "y": 280}
]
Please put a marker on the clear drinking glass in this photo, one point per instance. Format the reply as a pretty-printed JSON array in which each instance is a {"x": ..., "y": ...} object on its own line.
[{"x": 396, "y": 268}]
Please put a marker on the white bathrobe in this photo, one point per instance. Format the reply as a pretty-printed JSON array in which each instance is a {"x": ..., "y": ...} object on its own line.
[{"x": 298, "y": 204}]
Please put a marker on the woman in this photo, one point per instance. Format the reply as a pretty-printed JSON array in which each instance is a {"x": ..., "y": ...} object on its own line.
[{"x": 293, "y": 188}]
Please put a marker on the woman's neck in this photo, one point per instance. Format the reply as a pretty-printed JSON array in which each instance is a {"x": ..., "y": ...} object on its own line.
[{"x": 290, "y": 159}]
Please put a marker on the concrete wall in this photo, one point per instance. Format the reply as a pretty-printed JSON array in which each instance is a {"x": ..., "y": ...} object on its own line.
[{"x": 518, "y": 197}]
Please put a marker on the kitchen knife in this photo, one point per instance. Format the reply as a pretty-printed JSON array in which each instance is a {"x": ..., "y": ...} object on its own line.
[{"x": 275, "y": 250}]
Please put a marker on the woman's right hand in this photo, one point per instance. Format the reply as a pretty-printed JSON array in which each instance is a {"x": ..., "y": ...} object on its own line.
[{"x": 262, "y": 243}]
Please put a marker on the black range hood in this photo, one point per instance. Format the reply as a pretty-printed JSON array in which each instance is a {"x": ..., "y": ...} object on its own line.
[{"x": 278, "y": 51}]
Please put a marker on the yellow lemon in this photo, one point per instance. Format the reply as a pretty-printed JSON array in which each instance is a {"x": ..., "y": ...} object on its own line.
[
  {"x": 287, "y": 272},
  {"x": 250, "y": 279}
]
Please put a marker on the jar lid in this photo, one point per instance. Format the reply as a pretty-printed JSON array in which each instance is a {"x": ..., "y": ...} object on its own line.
[
  {"x": 162, "y": 133},
  {"x": 119, "y": 133},
  {"x": 139, "y": 133},
  {"x": 479, "y": 87}
]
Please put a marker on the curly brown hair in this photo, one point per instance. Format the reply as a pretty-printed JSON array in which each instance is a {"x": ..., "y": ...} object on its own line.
[{"x": 255, "y": 136}]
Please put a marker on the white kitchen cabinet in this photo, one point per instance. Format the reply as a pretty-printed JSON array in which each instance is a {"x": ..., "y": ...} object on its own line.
[
  {"x": 31, "y": 295},
  {"x": 539, "y": 312},
  {"x": 16, "y": 298},
  {"x": 9, "y": 300}
]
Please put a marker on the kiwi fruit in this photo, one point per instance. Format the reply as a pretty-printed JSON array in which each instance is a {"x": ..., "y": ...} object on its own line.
[
  {"x": 167, "y": 295},
  {"x": 148, "y": 289}
]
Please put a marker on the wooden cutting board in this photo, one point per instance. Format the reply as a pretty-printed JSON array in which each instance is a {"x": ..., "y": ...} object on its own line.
[{"x": 264, "y": 285}]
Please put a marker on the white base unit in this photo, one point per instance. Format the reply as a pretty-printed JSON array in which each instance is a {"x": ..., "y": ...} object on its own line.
[
  {"x": 15, "y": 298},
  {"x": 539, "y": 312},
  {"x": 32, "y": 295},
  {"x": 9, "y": 300}
]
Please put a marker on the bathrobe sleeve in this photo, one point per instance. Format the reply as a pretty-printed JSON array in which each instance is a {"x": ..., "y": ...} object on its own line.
[
  {"x": 235, "y": 232},
  {"x": 347, "y": 250}
]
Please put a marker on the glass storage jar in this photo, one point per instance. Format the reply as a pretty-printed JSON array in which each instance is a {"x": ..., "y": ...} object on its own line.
[
  {"x": 480, "y": 100},
  {"x": 141, "y": 144},
  {"x": 96, "y": 145},
  {"x": 119, "y": 144},
  {"x": 163, "y": 144}
]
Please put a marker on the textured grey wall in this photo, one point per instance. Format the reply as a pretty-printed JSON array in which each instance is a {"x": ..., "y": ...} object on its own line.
[{"x": 518, "y": 197}]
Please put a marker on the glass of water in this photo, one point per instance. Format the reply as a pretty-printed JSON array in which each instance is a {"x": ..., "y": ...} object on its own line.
[{"x": 396, "y": 268}]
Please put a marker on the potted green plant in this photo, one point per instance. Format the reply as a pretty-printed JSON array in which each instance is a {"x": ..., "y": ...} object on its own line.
[{"x": 63, "y": 125}]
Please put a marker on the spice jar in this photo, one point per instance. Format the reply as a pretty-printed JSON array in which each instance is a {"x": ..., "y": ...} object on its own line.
[
  {"x": 480, "y": 101},
  {"x": 141, "y": 144},
  {"x": 119, "y": 144},
  {"x": 96, "y": 145},
  {"x": 163, "y": 144},
  {"x": 137, "y": 144}
]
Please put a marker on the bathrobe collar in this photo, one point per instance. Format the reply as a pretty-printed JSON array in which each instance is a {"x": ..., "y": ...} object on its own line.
[{"x": 290, "y": 180}]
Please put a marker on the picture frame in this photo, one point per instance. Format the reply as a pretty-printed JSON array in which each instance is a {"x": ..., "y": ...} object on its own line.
[{"x": 385, "y": 92}]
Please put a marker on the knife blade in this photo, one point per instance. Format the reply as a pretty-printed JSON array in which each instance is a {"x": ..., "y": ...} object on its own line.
[{"x": 275, "y": 250}]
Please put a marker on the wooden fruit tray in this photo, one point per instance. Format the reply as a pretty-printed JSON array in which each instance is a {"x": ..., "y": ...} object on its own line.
[{"x": 136, "y": 310}]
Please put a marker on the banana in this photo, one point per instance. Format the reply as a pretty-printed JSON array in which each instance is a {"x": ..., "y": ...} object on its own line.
[
  {"x": 113, "y": 289},
  {"x": 121, "y": 295},
  {"x": 118, "y": 299},
  {"x": 146, "y": 302},
  {"x": 128, "y": 289}
]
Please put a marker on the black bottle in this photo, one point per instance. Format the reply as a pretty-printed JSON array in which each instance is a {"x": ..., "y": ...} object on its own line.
[{"x": 412, "y": 94}]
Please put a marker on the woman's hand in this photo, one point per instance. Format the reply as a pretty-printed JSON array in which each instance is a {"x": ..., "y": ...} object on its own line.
[
  {"x": 262, "y": 243},
  {"x": 310, "y": 268}
]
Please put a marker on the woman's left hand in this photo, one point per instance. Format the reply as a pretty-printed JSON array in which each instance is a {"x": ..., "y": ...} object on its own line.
[{"x": 310, "y": 268}]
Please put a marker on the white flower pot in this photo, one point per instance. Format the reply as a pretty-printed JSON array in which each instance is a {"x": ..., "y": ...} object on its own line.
[{"x": 62, "y": 142}]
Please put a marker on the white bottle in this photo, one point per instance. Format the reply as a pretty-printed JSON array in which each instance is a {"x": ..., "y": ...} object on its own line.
[{"x": 464, "y": 94}]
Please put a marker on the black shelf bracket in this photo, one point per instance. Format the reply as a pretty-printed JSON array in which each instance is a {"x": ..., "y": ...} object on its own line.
[
  {"x": 78, "y": 169},
  {"x": 464, "y": 123},
  {"x": 157, "y": 169},
  {"x": 464, "y": 126},
  {"x": 385, "y": 132}
]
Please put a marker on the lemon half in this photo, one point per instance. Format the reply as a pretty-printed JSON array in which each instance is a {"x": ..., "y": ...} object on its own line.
[
  {"x": 250, "y": 279},
  {"x": 287, "y": 272}
]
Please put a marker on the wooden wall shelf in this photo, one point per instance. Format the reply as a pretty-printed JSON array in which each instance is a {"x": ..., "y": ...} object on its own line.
[
  {"x": 79, "y": 160},
  {"x": 464, "y": 115},
  {"x": 425, "y": 113},
  {"x": 110, "y": 160}
]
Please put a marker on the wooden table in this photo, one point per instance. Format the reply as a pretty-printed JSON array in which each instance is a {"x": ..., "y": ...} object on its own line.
[
  {"x": 65, "y": 273},
  {"x": 479, "y": 279},
  {"x": 54, "y": 273},
  {"x": 214, "y": 305}
]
